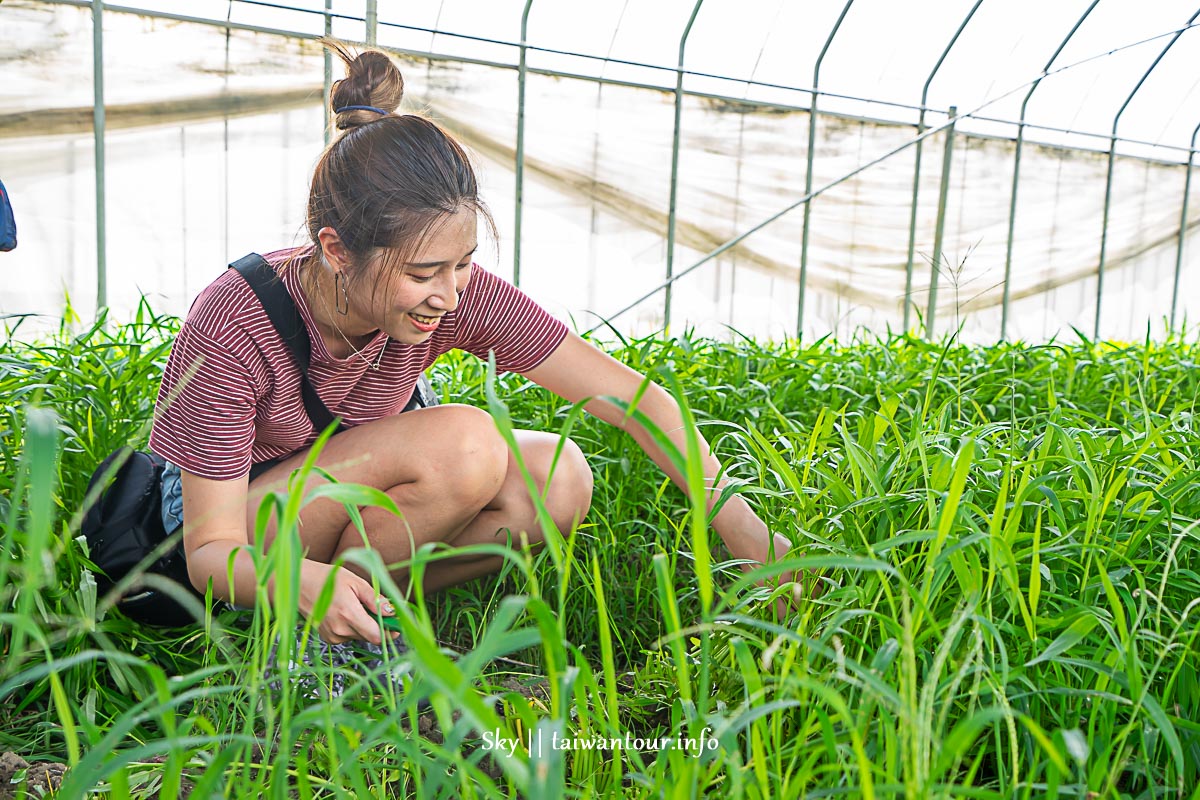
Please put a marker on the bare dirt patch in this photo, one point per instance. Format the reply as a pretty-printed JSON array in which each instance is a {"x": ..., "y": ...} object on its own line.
[{"x": 42, "y": 778}]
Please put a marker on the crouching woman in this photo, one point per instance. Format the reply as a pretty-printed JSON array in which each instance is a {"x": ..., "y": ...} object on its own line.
[{"x": 386, "y": 285}]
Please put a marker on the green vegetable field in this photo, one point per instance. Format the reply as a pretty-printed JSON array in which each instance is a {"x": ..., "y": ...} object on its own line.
[{"x": 1001, "y": 562}]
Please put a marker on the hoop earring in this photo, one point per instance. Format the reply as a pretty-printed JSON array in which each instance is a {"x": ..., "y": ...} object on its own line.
[{"x": 339, "y": 292}]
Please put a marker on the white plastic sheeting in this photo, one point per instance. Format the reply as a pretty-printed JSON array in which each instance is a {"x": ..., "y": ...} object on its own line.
[
  {"x": 186, "y": 195},
  {"x": 740, "y": 165}
]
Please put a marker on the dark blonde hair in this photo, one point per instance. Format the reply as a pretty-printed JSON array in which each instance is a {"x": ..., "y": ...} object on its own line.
[{"x": 388, "y": 179}]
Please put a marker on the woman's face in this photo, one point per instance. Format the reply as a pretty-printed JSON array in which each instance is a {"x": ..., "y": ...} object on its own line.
[{"x": 410, "y": 306}]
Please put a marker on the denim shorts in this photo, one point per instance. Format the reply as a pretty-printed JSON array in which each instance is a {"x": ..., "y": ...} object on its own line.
[
  {"x": 172, "y": 499},
  {"x": 172, "y": 493}
]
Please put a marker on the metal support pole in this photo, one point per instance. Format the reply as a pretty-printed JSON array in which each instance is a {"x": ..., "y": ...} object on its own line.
[
  {"x": 520, "y": 168},
  {"x": 1012, "y": 205},
  {"x": 1183, "y": 225},
  {"x": 912, "y": 216},
  {"x": 328, "y": 74},
  {"x": 675, "y": 166},
  {"x": 372, "y": 20},
  {"x": 98, "y": 133},
  {"x": 1112, "y": 155},
  {"x": 940, "y": 230},
  {"x": 808, "y": 171},
  {"x": 741, "y": 237}
]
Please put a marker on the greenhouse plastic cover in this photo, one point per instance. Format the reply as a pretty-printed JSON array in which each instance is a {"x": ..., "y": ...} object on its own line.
[{"x": 209, "y": 150}]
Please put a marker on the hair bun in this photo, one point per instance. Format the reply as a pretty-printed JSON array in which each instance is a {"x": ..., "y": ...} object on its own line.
[{"x": 373, "y": 81}]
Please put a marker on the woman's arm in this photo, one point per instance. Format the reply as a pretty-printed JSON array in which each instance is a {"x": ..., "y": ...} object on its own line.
[
  {"x": 215, "y": 527},
  {"x": 576, "y": 370}
]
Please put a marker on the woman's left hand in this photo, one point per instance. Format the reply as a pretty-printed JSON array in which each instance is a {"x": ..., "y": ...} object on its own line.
[
  {"x": 747, "y": 537},
  {"x": 577, "y": 370}
]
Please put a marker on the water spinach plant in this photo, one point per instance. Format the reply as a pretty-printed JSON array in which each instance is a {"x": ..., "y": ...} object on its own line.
[{"x": 999, "y": 548}]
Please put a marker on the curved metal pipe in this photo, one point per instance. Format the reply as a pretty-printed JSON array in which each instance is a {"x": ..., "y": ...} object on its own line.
[
  {"x": 1183, "y": 225},
  {"x": 912, "y": 219},
  {"x": 687, "y": 31},
  {"x": 1112, "y": 155},
  {"x": 808, "y": 172},
  {"x": 520, "y": 155},
  {"x": 1012, "y": 206}
]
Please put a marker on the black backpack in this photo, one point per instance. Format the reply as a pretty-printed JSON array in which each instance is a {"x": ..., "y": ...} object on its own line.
[{"x": 124, "y": 525}]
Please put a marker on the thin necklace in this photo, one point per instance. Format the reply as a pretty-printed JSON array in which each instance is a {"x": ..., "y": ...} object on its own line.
[{"x": 353, "y": 349}]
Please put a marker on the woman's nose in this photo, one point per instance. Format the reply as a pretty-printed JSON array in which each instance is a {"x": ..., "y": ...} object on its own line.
[{"x": 445, "y": 292}]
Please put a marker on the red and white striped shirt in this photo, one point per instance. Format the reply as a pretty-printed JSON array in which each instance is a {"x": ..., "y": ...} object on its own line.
[{"x": 230, "y": 395}]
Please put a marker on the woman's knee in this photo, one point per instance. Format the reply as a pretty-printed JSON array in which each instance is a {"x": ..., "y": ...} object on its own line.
[
  {"x": 466, "y": 459},
  {"x": 570, "y": 493}
]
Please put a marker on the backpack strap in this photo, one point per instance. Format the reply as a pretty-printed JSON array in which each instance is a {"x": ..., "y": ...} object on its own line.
[{"x": 284, "y": 315}]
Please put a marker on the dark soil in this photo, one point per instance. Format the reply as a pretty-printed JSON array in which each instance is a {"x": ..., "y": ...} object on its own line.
[{"x": 41, "y": 777}]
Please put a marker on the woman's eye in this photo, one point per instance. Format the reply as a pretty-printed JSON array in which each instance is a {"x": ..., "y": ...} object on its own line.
[{"x": 428, "y": 278}]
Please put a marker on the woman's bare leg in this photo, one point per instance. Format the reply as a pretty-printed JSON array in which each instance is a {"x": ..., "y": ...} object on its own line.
[
  {"x": 454, "y": 480},
  {"x": 512, "y": 513},
  {"x": 440, "y": 465}
]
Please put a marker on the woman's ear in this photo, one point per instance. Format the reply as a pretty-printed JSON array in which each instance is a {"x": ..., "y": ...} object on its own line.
[{"x": 334, "y": 249}]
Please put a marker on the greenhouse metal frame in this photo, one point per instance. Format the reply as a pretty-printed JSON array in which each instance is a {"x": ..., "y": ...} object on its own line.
[{"x": 371, "y": 25}]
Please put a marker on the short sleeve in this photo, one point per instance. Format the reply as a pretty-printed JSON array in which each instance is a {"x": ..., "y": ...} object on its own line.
[
  {"x": 204, "y": 416},
  {"x": 500, "y": 318}
]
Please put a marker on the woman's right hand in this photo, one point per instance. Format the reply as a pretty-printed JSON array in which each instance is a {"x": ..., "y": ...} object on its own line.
[{"x": 351, "y": 612}]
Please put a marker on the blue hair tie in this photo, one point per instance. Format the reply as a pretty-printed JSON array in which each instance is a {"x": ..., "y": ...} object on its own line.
[{"x": 378, "y": 111}]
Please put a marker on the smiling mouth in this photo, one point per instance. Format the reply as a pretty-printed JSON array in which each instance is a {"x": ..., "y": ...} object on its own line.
[{"x": 424, "y": 322}]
